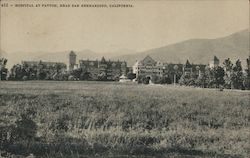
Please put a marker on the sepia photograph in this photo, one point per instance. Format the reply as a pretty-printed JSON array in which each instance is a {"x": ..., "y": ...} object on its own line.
[{"x": 124, "y": 79}]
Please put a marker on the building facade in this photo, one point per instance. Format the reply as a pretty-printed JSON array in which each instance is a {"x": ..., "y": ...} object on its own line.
[
  {"x": 193, "y": 69},
  {"x": 150, "y": 68},
  {"x": 103, "y": 69},
  {"x": 45, "y": 65}
]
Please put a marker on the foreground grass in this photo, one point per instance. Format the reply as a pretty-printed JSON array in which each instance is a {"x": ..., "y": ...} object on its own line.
[{"x": 105, "y": 118}]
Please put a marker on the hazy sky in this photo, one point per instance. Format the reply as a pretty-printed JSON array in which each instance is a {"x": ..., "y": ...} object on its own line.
[{"x": 148, "y": 24}]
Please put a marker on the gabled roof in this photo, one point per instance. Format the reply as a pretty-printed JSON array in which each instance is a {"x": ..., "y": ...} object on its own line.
[
  {"x": 103, "y": 60},
  {"x": 188, "y": 65},
  {"x": 148, "y": 60}
]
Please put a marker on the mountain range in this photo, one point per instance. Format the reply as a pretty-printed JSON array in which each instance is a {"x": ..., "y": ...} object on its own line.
[
  {"x": 200, "y": 51},
  {"x": 234, "y": 46}
]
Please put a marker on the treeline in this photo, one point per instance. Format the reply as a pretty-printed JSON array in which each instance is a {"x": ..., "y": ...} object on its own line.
[
  {"x": 41, "y": 71},
  {"x": 229, "y": 75},
  {"x": 57, "y": 72}
]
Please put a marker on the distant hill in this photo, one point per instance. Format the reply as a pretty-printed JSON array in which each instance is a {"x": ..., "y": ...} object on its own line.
[
  {"x": 235, "y": 46},
  {"x": 198, "y": 50},
  {"x": 63, "y": 56},
  {"x": 15, "y": 58},
  {"x": 84, "y": 54}
]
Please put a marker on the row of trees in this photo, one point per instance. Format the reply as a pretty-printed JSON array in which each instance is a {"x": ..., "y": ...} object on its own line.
[
  {"x": 55, "y": 72},
  {"x": 37, "y": 72},
  {"x": 230, "y": 76}
]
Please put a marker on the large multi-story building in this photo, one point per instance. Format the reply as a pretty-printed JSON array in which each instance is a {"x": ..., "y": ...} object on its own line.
[
  {"x": 150, "y": 68},
  {"x": 197, "y": 69},
  {"x": 46, "y": 65},
  {"x": 100, "y": 69}
]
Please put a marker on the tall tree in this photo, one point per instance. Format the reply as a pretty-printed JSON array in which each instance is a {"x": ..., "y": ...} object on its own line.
[
  {"x": 219, "y": 76},
  {"x": 237, "y": 75},
  {"x": 208, "y": 80},
  {"x": 246, "y": 81},
  {"x": 228, "y": 67},
  {"x": 3, "y": 69}
]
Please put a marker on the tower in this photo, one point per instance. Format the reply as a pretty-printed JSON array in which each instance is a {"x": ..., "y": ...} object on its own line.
[{"x": 72, "y": 60}]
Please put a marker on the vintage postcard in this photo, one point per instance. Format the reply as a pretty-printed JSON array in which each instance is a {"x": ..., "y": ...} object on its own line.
[{"x": 124, "y": 78}]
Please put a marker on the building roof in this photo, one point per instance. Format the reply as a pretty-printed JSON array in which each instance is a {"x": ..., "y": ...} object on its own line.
[
  {"x": 188, "y": 65},
  {"x": 146, "y": 61},
  {"x": 72, "y": 53},
  {"x": 103, "y": 60},
  {"x": 47, "y": 63},
  {"x": 109, "y": 63}
]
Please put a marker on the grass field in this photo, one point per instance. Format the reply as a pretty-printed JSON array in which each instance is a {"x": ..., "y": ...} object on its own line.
[{"x": 101, "y": 119}]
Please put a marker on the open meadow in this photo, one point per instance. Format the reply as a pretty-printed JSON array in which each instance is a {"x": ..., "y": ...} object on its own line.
[{"x": 111, "y": 119}]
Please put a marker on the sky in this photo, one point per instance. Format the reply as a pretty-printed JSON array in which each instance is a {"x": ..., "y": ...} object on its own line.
[{"x": 148, "y": 24}]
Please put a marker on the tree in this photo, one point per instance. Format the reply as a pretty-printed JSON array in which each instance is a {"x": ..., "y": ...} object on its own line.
[
  {"x": 76, "y": 73},
  {"x": 237, "y": 75},
  {"x": 184, "y": 80},
  {"x": 131, "y": 76},
  {"x": 228, "y": 66},
  {"x": 188, "y": 79},
  {"x": 233, "y": 75},
  {"x": 16, "y": 72},
  {"x": 145, "y": 80},
  {"x": 175, "y": 73},
  {"x": 219, "y": 76},
  {"x": 200, "y": 81},
  {"x": 246, "y": 79},
  {"x": 3, "y": 69},
  {"x": 156, "y": 79},
  {"x": 41, "y": 74},
  {"x": 209, "y": 80},
  {"x": 85, "y": 76},
  {"x": 166, "y": 80},
  {"x": 102, "y": 76}
]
